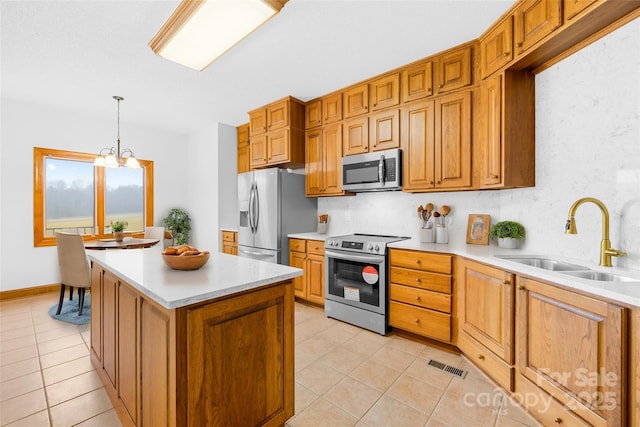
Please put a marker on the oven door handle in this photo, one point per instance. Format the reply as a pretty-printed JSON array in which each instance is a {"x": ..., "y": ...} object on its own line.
[{"x": 353, "y": 257}]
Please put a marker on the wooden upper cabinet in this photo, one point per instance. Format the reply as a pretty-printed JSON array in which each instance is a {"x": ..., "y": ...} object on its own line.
[
  {"x": 418, "y": 144},
  {"x": 454, "y": 69},
  {"x": 534, "y": 20},
  {"x": 278, "y": 115},
  {"x": 332, "y": 109},
  {"x": 313, "y": 114},
  {"x": 417, "y": 82},
  {"x": 258, "y": 121},
  {"x": 314, "y": 165},
  {"x": 324, "y": 161},
  {"x": 385, "y": 92},
  {"x": 496, "y": 47},
  {"x": 572, "y": 8},
  {"x": 491, "y": 138},
  {"x": 384, "y": 130},
  {"x": 356, "y": 101},
  {"x": 453, "y": 140},
  {"x": 356, "y": 136},
  {"x": 278, "y": 143},
  {"x": 258, "y": 151},
  {"x": 243, "y": 148}
]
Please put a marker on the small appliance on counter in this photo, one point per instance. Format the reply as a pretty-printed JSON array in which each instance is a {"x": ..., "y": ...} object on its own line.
[{"x": 356, "y": 281}]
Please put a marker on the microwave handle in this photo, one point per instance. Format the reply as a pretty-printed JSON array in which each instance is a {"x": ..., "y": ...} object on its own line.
[{"x": 381, "y": 172}]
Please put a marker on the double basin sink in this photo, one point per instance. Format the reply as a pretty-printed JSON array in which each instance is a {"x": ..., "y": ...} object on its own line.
[{"x": 569, "y": 269}]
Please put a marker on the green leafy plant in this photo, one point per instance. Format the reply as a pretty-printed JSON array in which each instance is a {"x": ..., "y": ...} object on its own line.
[
  {"x": 179, "y": 223},
  {"x": 117, "y": 226},
  {"x": 506, "y": 229}
]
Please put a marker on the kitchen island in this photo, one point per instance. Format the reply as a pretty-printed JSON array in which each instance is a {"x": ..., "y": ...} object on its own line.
[{"x": 212, "y": 346}]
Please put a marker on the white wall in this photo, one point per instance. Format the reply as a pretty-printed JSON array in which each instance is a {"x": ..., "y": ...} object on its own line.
[
  {"x": 25, "y": 126},
  {"x": 587, "y": 144}
]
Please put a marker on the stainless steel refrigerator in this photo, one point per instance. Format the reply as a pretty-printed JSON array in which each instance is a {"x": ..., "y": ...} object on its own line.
[{"x": 272, "y": 205}]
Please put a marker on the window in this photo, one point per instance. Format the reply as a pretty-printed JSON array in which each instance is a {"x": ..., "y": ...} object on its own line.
[{"x": 70, "y": 194}]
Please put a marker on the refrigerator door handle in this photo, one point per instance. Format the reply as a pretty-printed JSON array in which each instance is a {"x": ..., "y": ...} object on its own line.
[
  {"x": 254, "y": 253},
  {"x": 256, "y": 216},
  {"x": 251, "y": 209}
]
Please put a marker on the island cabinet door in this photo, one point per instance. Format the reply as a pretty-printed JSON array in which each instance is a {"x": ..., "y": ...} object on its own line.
[
  {"x": 240, "y": 357},
  {"x": 127, "y": 363},
  {"x": 109, "y": 306},
  {"x": 96, "y": 311}
]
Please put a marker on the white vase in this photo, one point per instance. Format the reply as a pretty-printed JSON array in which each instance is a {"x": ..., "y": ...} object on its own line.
[{"x": 509, "y": 243}]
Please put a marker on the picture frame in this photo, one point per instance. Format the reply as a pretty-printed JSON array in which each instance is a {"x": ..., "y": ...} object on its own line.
[{"x": 478, "y": 229}]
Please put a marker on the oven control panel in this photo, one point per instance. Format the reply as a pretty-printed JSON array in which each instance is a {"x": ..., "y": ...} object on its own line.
[{"x": 370, "y": 247}]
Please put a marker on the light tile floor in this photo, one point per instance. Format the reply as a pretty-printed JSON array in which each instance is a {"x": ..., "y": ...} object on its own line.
[{"x": 345, "y": 376}]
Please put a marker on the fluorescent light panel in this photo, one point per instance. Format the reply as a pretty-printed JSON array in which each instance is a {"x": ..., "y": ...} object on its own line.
[{"x": 213, "y": 28}]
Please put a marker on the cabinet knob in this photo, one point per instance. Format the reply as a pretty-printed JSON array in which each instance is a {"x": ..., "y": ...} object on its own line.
[
  {"x": 417, "y": 261},
  {"x": 440, "y": 85},
  {"x": 429, "y": 90},
  {"x": 438, "y": 182},
  {"x": 506, "y": 282},
  {"x": 417, "y": 279},
  {"x": 494, "y": 176},
  {"x": 480, "y": 357},
  {"x": 519, "y": 44},
  {"x": 520, "y": 287},
  {"x": 431, "y": 182},
  {"x": 418, "y": 298},
  {"x": 558, "y": 420},
  {"x": 417, "y": 320},
  {"x": 506, "y": 54}
]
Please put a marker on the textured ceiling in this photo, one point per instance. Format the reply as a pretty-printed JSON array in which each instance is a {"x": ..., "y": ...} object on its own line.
[{"x": 77, "y": 54}]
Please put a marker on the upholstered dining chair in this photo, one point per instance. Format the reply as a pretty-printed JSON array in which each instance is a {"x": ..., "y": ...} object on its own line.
[{"x": 74, "y": 267}]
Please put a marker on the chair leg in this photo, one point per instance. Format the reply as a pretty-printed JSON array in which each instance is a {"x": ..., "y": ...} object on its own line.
[
  {"x": 81, "y": 302},
  {"x": 61, "y": 299},
  {"x": 70, "y": 293}
]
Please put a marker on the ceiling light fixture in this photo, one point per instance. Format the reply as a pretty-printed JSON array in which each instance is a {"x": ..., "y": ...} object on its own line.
[
  {"x": 114, "y": 158},
  {"x": 200, "y": 31}
]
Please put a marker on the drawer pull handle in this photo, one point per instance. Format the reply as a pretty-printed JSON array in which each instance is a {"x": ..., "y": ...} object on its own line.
[
  {"x": 558, "y": 420},
  {"x": 480, "y": 357}
]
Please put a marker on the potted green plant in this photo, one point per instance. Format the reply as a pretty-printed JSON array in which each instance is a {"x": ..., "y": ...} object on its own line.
[
  {"x": 509, "y": 234},
  {"x": 117, "y": 228},
  {"x": 179, "y": 223}
]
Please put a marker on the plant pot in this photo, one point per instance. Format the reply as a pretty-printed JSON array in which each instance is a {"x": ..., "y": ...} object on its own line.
[
  {"x": 118, "y": 235},
  {"x": 509, "y": 243}
]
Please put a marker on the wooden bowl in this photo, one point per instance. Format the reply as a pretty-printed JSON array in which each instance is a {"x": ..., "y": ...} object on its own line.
[{"x": 192, "y": 262}]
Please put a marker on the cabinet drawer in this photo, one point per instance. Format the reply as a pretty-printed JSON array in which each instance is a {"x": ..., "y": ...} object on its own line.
[
  {"x": 419, "y": 297},
  {"x": 228, "y": 236},
  {"x": 426, "y": 261},
  {"x": 421, "y": 279},
  {"x": 315, "y": 247},
  {"x": 421, "y": 321},
  {"x": 499, "y": 370},
  {"x": 298, "y": 245}
]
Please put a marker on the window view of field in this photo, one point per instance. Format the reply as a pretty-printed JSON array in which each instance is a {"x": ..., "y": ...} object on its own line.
[{"x": 71, "y": 193}]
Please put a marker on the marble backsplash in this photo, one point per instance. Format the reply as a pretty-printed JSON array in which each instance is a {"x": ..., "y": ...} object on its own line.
[{"x": 587, "y": 144}]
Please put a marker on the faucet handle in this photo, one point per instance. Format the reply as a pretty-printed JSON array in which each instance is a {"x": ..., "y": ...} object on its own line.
[{"x": 615, "y": 252}]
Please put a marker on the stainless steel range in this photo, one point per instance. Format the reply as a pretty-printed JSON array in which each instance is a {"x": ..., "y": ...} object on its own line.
[{"x": 356, "y": 267}]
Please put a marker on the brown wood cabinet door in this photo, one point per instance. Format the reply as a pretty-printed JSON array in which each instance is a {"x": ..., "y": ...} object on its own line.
[
  {"x": 418, "y": 133},
  {"x": 313, "y": 114},
  {"x": 243, "y": 148},
  {"x": 278, "y": 146},
  {"x": 240, "y": 359},
  {"x": 453, "y": 140},
  {"x": 332, "y": 159},
  {"x": 384, "y": 130},
  {"x": 534, "y": 20},
  {"x": 385, "y": 92},
  {"x": 258, "y": 122},
  {"x": 299, "y": 260},
  {"x": 332, "y": 108},
  {"x": 496, "y": 47},
  {"x": 488, "y": 301},
  {"x": 96, "y": 310},
  {"x": 356, "y": 136},
  {"x": 314, "y": 273},
  {"x": 258, "y": 151},
  {"x": 314, "y": 162},
  {"x": 278, "y": 115},
  {"x": 227, "y": 248},
  {"x": 573, "y": 347},
  {"x": 454, "y": 70},
  {"x": 417, "y": 82},
  {"x": 491, "y": 136},
  {"x": 572, "y": 8},
  {"x": 109, "y": 305},
  {"x": 128, "y": 305},
  {"x": 356, "y": 101}
]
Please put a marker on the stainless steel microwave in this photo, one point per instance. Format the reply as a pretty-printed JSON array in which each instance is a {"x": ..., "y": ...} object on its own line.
[{"x": 377, "y": 171}]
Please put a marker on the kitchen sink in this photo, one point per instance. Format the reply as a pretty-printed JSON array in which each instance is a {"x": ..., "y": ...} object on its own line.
[
  {"x": 601, "y": 276},
  {"x": 544, "y": 263}
]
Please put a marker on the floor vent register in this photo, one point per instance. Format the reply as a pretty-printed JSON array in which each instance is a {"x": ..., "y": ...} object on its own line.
[{"x": 447, "y": 368}]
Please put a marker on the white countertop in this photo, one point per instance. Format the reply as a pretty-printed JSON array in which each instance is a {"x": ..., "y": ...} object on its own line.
[
  {"x": 145, "y": 270},
  {"x": 308, "y": 236},
  {"x": 622, "y": 292}
]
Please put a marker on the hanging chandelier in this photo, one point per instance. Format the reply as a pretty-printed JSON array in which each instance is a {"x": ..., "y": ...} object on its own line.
[{"x": 114, "y": 157}]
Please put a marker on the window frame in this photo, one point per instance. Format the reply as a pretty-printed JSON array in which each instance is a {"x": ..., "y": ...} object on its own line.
[{"x": 39, "y": 189}]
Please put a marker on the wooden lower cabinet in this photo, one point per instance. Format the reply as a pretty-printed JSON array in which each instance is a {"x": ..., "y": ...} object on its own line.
[
  {"x": 420, "y": 293},
  {"x": 308, "y": 255},
  {"x": 229, "y": 242},
  {"x": 571, "y": 351},
  {"x": 223, "y": 362}
]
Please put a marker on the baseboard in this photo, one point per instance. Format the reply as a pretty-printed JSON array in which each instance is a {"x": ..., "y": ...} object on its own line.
[{"x": 27, "y": 292}]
